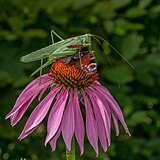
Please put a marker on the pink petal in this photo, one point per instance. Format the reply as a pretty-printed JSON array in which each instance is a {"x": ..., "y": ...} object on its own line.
[
  {"x": 33, "y": 84},
  {"x": 102, "y": 123},
  {"x": 44, "y": 78},
  {"x": 39, "y": 113},
  {"x": 30, "y": 91},
  {"x": 115, "y": 121},
  {"x": 101, "y": 129},
  {"x": 15, "y": 118},
  {"x": 20, "y": 110},
  {"x": 41, "y": 93},
  {"x": 53, "y": 141},
  {"x": 104, "y": 110},
  {"x": 108, "y": 96},
  {"x": 23, "y": 135},
  {"x": 68, "y": 123},
  {"x": 20, "y": 104},
  {"x": 42, "y": 86},
  {"x": 113, "y": 104},
  {"x": 56, "y": 114},
  {"x": 91, "y": 127},
  {"x": 79, "y": 124}
]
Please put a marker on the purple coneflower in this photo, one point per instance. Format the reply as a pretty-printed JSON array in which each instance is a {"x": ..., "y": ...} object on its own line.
[{"x": 70, "y": 87}]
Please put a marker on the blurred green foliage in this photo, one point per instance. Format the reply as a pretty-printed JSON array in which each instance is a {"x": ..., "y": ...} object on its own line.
[{"x": 131, "y": 26}]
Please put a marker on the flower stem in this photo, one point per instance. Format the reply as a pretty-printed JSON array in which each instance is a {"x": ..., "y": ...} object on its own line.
[{"x": 70, "y": 155}]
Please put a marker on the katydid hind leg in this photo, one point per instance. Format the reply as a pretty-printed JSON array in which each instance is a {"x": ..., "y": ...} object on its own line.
[{"x": 53, "y": 33}]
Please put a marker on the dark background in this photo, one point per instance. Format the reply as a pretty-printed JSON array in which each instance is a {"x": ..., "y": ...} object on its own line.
[{"x": 131, "y": 26}]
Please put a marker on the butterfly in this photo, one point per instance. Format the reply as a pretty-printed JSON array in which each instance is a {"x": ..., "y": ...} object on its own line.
[{"x": 83, "y": 59}]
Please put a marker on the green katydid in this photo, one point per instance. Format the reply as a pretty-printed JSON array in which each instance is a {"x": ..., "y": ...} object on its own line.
[
  {"x": 60, "y": 49},
  {"x": 57, "y": 50}
]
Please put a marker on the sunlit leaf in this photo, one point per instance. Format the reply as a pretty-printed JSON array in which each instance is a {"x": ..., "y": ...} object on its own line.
[
  {"x": 120, "y": 74},
  {"x": 135, "y": 12},
  {"x": 144, "y": 3},
  {"x": 131, "y": 45},
  {"x": 139, "y": 117}
]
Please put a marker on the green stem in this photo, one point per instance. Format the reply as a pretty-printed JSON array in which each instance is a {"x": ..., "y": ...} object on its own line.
[{"x": 70, "y": 155}]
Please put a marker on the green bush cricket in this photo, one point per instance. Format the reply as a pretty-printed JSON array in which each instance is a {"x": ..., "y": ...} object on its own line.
[
  {"x": 57, "y": 50},
  {"x": 60, "y": 49}
]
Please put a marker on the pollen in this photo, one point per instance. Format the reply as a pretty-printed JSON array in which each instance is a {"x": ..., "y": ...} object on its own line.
[{"x": 70, "y": 75}]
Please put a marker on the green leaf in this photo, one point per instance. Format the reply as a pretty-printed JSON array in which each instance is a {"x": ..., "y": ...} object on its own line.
[
  {"x": 108, "y": 26},
  {"x": 139, "y": 117},
  {"x": 103, "y": 8},
  {"x": 120, "y": 74},
  {"x": 126, "y": 25},
  {"x": 117, "y": 4},
  {"x": 33, "y": 33},
  {"x": 5, "y": 78},
  {"x": 146, "y": 100},
  {"x": 153, "y": 59},
  {"x": 143, "y": 75},
  {"x": 144, "y": 3},
  {"x": 135, "y": 12},
  {"x": 155, "y": 9},
  {"x": 82, "y": 3},
  {"x": 131, "y": 45}
]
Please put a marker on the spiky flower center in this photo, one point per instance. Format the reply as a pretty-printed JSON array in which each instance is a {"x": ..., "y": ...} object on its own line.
[{"x": 70, "y": 75}]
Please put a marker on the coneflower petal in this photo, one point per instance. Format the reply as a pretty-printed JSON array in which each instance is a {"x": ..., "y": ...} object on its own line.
[
  {"x": 91, "y": 127},
  {"x": 42, "y": 92},
  {"x": 101, "y": 123},
  {"x": 105, "y": 112},
  {"x": 41, "y": 110},
  {"x": 53, "y": 141},
  {"x": 56, "y": 114},
  {"x": 44, "y": 78},
  {"x": 115, "y": 121},
  {"x": 26, "y": 133},
  {"x": 109, "y": 97},
  {"x": 39, "y": 113},
  {"x": 15, "y": 118},
  {"x": 23, "y": 98},
  {"x": 68, "y": 122},
  {"x": 19, "y": 105},
  {"x": 113, "y": 104},
  {"x": 79, "y": 124}
]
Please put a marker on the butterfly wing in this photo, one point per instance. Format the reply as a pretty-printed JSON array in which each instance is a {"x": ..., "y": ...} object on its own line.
[
  {"x": 83, "y": 59},
  {"x": 87, "y": 63}
]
